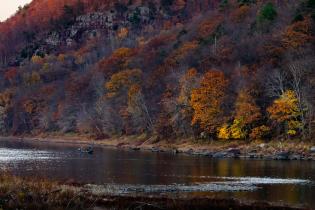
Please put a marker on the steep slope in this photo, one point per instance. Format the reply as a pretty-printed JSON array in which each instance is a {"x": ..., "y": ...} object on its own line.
[{"x": 213, "y": 69}]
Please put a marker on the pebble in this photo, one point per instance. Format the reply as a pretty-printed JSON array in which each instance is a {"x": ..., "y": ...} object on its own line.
[{"x": 219, "y": 155}]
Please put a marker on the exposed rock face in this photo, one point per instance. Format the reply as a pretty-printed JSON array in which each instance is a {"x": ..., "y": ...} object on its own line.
[
  {"x": 53, "y": 39},
  {"x": 96, "y": 23},
  {"x": 95, "y": 20},
  {"x": 69, "y": 42}
]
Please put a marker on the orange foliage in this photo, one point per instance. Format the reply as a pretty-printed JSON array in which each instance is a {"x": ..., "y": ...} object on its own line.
[
  {"x": 11, "y": 74},
  {"x": 118, "y": 60},
  {"x": 239, "y": 14},
  {"x": 298, "y": 34},
  {"x": 5, "y": 98},
  {"x": 210, "y": 26},
  {"x": 122, "y": 33},
  {"x": 259, "y": 132},
  {"x": 246, "y": 109},
  {"x": 207, "y": 100}
]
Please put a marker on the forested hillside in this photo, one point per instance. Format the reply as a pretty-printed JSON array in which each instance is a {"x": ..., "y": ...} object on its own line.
[{"x": 212, "y": 69}]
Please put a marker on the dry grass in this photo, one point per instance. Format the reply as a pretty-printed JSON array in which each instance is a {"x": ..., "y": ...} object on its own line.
[{"x": 29, "y": 193}]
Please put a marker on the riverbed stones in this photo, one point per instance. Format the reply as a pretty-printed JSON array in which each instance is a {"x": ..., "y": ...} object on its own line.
[
  {"x": 219, "y": 155},
  {"x": 284, "y": 155},
  {"x": 234, "y": 151},
  {"x": 157, "y": 150},
  {"x": 208, "y": 154},
  {"x": 252, "y": 155},
  {"x": 295, "y": 157}
]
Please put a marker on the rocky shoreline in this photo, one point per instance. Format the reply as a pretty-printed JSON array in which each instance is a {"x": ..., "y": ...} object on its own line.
[
  {"x": 257, "y": 151},
  {"x": 237, "y": 153}
]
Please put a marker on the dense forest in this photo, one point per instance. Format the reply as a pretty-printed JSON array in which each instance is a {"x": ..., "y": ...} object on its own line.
[{"x": 211, "y": 69}]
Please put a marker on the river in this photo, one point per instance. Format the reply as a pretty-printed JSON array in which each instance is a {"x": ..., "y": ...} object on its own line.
[{"x": 288, "y": 182}]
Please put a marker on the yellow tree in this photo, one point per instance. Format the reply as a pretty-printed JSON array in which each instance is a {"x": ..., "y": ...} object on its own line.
[
  {"x": 224, "y": 132},
  {"x": 207, "y": 100},
  {"x": 285, "y": 112}
]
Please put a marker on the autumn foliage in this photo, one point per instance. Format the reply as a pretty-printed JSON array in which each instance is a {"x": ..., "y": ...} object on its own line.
[
  {"x": 207, "y": 101},
  {"x": 226, "y": 70},
  {"x": 285, "y": 112}
]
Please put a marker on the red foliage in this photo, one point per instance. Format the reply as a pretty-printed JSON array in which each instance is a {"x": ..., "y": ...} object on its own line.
[{"x": 11, "y": 74}]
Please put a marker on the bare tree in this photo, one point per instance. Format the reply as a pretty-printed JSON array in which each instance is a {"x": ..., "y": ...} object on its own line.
[
  {"x": 299, "y": 66},
  {"x": 276, "y": 83},
  {"x": 139, "y": 111}
]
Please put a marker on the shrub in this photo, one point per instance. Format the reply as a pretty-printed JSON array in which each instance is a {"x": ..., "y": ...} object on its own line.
[
  {"x": 224, "y": 132},
  {"x": 237, "y": 130},
  {"x": 259, "y": 132},
  {"x": 267, "y": 13}
]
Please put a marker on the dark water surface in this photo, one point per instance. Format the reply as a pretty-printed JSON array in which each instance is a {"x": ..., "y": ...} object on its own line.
[{"x": 290, "y": 182}]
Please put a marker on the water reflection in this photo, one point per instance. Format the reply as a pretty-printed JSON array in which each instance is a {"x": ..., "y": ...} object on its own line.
[{"x": 269, "y": 180}]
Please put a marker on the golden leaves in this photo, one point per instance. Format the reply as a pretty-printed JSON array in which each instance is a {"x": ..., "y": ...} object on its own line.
[
  {"x": 123, "y": 79},
  {"x": 37, "y": 59},
  {"x": 284, "y": 110},
  {"x": 207, "y": 99}
]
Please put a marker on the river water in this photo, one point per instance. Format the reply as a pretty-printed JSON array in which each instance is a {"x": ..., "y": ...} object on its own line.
[{"x": 288, "y": 182}]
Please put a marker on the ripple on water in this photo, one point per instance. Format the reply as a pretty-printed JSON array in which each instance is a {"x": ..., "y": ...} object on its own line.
[
  {"x": 225, "y": 184},
  {"x": 12, "y": 155},
  {"x": 265, "y": 180}
]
